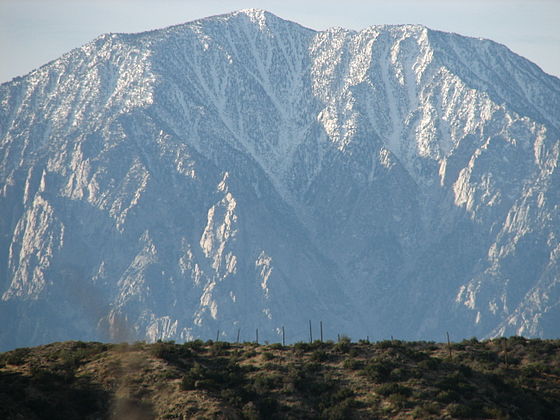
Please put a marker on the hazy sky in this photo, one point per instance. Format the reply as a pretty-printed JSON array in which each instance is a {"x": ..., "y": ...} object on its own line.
[{"x": 33, "y": 32}]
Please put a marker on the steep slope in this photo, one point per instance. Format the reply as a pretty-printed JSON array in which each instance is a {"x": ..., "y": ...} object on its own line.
[{"x": 242, "y": 171}]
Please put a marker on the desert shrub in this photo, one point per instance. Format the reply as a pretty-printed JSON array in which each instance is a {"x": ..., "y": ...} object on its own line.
[
  {"x": 250, "y": 411},
  {"x": 196, "y": 345},
  {"x": 458, "y": 346},
  {"x": 339, "y": 411},
  {"x": 122, "y": 347},
  {"x": 193, "y": 376},
  {"x": 516, "y": 339},
  {"x": 268, "y": 407},
  {"x": 461, "y": 411},
  {"x": 378, "y": 370},
  {"x": 429, "y": 364},
  {"x": 306, "y": 378},
  {"x": 455, "y": 382},
  {"x": 353, "y": 364},
  {"x": 264, "y": 383},
  {"x": 355, "y": 351},
  {"x": 425, "y": 410},
  {"x": 17, "y": 357},
  {"x": 387, "y": 344},
  {"x": 534, "y": 369},
  {"x": 465, "y": 370},
  {"x": 302, "y": 346},
  {"x": 473, "y": 341},
  {"x": 267, "y": 355},
  {"x": 334, "y": 400},
  {"x": 399, "y": 400},
  {"x": 393, "y": 388},
  {"x": 219, "y": 348},
  {"x": 344, "y": 344},
  {"x": 494, "y": 413},
  {"x": 403, "y": 374},
  {"x": 173, "y": 353},
  {"x": 46, "y": 379},
  {"x": 447, "y": 396},
  {"x": 485, "y": 356},
  {"x": 274, "y": 366},
  {"x": 138, "y": 345},
  {"x": 276, "y": 346},
  {"x": 319, "y": 356},
  {"x": 217, "y": 375},
  {"x": 232, "y": 397},
  {"x": 73, "y": 358}
]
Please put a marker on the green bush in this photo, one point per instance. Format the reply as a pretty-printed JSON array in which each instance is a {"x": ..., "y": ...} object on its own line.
[
  {"x": 196, "y": 345},
  {"x": 219, "y": 348},
  {"x": 461, "y": 411},
  {"x": 340, "y": 411},
  {"x": 447, "y": 396},
  {"x": 429, "y": 364},
  {"x": 425, "y": 410},
  {"x": 319, "y": 356},
  {"x": 276, "y": 346},
  {"x": 393, "y": 388},
  {"x": 264, "y": 383},
  {"x": 485, "y": 356},
  {"x": 302, "y": 346},
  {"x": 172, "y": 353},
  {"x": 344, "y": 345},
  {"x": 378, "y": 370},
  {"x": 46, "y": 379},
  {"x": 353, "y": 364},
  {"x": 455, "y": 382},
  {"x": 17, "y": 357},
  {"x": 192, "y": 378},
  {"x": 399, "y": 400},
  {"x": 268, "y": 407}
]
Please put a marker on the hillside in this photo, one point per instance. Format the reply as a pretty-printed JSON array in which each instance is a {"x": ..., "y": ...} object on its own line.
[{"x": 510, "y": 378}]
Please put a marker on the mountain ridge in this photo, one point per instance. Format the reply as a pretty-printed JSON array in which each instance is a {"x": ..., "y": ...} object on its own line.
[{"x": 245, "y": 155}]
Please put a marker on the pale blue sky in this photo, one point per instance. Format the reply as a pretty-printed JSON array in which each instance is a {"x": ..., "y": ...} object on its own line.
[{"x": 33, "y": 32}]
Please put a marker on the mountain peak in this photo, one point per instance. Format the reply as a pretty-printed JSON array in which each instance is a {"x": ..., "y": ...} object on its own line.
[{"x": 258, "y": 16}]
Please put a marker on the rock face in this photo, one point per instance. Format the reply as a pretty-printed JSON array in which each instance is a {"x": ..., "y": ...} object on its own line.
[{"x": 243, "y": 172}]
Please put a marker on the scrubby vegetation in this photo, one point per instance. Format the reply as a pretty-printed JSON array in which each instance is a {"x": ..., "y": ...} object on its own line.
[{"x": 511, "y": 378}]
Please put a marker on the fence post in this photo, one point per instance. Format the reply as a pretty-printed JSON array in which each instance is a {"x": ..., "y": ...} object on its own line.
[
  {"x": 321, "y": 326},
  {"x": 310, "y": 333},
  {"x": 506, "y": 352},
  {"x": 257, "y": 336},
  {"x": 449, "y": 345},
  {"x": 238, "y": 330},
  {"x": 283, "y": 337}
]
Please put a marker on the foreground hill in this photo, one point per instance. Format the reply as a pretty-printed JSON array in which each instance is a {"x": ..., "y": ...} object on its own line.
[
  {"x": 244, "y": 171},
  {"x": 510, "y": 378}
]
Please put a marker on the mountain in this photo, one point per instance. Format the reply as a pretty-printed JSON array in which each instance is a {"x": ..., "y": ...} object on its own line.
[{"x": 242, "y": 172}]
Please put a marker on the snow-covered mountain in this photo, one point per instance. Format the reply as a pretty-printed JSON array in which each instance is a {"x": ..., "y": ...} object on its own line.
[{"x": 242, "y": 172}]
